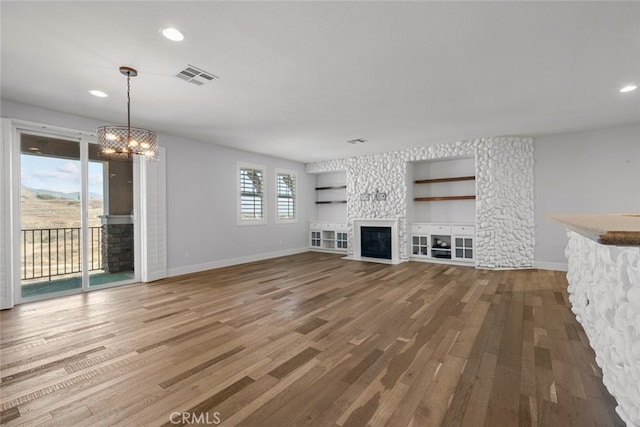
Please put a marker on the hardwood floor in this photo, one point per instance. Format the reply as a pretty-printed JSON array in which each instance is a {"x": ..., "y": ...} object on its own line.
[{"x": 308, "y": 339}]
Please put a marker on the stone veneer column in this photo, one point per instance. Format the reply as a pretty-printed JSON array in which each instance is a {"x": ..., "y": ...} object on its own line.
[
  {"x": 504, "y": 193},
  {"x": 604, "y": 290},
  {"x": 504, "y": 203},
  {"x": 117, "y": 243}
]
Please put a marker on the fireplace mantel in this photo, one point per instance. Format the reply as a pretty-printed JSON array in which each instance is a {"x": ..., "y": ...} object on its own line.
[{"x": 377, "y": 222}]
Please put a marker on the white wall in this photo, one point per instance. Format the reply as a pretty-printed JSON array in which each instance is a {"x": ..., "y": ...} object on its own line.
[
  {"x": 202, "y": 213},
  {"x": 201, "y": 199},
  {"x": 595, "y": 171}
]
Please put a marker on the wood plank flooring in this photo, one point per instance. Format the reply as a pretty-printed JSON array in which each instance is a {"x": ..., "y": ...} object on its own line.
[{"x": 307, "y": 340}]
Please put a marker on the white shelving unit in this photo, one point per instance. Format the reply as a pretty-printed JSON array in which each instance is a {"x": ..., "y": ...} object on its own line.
[
  {"x": 329, "y": 233},
  {"x": 442, "y": 210},
  {"x": 331, "y": 197},
  {"x": 328, "y": 236},
  {"x": 443, "y": 242},
  {"x": 443, "y": 191}
]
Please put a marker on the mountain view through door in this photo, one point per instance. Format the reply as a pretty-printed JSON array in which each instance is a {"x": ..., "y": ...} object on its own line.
[{"x": 54, "y": 244}]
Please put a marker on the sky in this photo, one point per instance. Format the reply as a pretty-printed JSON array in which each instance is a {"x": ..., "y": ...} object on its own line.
[{"x": 63, "y": 175}]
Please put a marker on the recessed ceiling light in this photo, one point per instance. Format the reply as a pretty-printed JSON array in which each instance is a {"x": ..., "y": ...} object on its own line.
[
  {"x": 98, "y": 93},
  {"x": 173, "y": 34},
  {"x": 628, "y": 88}
]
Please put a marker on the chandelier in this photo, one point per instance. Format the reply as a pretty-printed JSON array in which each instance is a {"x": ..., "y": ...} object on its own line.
[{"x": 124, "y": 142}]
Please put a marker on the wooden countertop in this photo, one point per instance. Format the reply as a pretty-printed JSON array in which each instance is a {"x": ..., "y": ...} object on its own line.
[{"x": 607, "y": 229}]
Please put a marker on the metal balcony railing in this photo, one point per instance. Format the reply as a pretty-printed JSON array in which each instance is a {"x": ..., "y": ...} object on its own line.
[{"x": 51, "y": 252}]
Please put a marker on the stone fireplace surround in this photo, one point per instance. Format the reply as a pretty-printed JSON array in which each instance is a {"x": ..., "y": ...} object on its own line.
[{"x": 504, "y": 215}]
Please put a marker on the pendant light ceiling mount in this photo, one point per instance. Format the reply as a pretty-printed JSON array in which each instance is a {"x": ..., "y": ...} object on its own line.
[
  {"x": 125, "y": 142},
  {"x": 128, "y": 71}
]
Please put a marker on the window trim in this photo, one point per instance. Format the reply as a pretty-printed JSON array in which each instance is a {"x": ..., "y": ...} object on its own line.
[
  {"x": 263, "y": 169},
  {"x": 293, "y": 220}
]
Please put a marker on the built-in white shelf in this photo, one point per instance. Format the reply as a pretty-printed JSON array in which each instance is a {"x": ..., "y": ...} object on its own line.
[
  {"x": 443, "y": 242},
  {"x": 328, "y": 236}
]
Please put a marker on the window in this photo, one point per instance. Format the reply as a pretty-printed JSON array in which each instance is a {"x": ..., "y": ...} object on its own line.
[
  {"x": 251, "y": 192},
  {"x": 286, "y": 203}
]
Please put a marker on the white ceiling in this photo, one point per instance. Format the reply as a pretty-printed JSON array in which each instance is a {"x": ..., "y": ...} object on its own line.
[{"x": 299, "y": 79}]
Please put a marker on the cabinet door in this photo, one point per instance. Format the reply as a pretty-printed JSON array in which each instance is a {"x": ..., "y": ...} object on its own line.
[
  {"x": 463, "y": 248},
  {"x": 420, "y": 245},
  {"x": 341, "y": 240},
  {"x": 315, "y": 239}
]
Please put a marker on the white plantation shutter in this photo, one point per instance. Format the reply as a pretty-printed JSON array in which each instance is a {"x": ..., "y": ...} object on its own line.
[
  {"x": 251, "y": 194},
  {"x": 153, "y": 218},
  {"x": 6, "y": 289},
  {"x": 286, "y": 196}
]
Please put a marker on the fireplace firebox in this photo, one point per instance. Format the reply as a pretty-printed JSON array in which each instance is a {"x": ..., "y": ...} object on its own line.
[{"x": 375, "y": 242}]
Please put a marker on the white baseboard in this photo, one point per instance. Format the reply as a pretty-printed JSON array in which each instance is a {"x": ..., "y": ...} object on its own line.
[
  {"x": 557, "y": 266},
  {"x": 178, "y": 271}
]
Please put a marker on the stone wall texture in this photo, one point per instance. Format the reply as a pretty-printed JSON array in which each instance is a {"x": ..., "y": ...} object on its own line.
[
  {"x": 604, "y": 290},
  {"x": 504, "y": 193},
  {"x": 117, "y": 248}
]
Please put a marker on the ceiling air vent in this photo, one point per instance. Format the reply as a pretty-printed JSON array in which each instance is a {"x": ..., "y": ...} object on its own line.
[{"x": 196, "y": 75}]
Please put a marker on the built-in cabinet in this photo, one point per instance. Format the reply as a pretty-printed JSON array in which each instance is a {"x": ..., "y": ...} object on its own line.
[
  {"x": 328, "y": 236},
  {"x": 439, "y": 232},
  {"x": 444, "y": 229},
  {"x": 443, "y": 242},
  {"x": 328, "y": 231}
]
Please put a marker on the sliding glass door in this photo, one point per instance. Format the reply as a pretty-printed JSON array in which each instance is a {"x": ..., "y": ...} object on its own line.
[
  {"x": 110, "y": 208},
  {"x": 51, "y": 216},
  {"x": 76, "y": 222}
]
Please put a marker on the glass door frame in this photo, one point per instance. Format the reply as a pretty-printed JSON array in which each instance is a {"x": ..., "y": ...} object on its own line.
[{"x": 18, "y": 128}]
